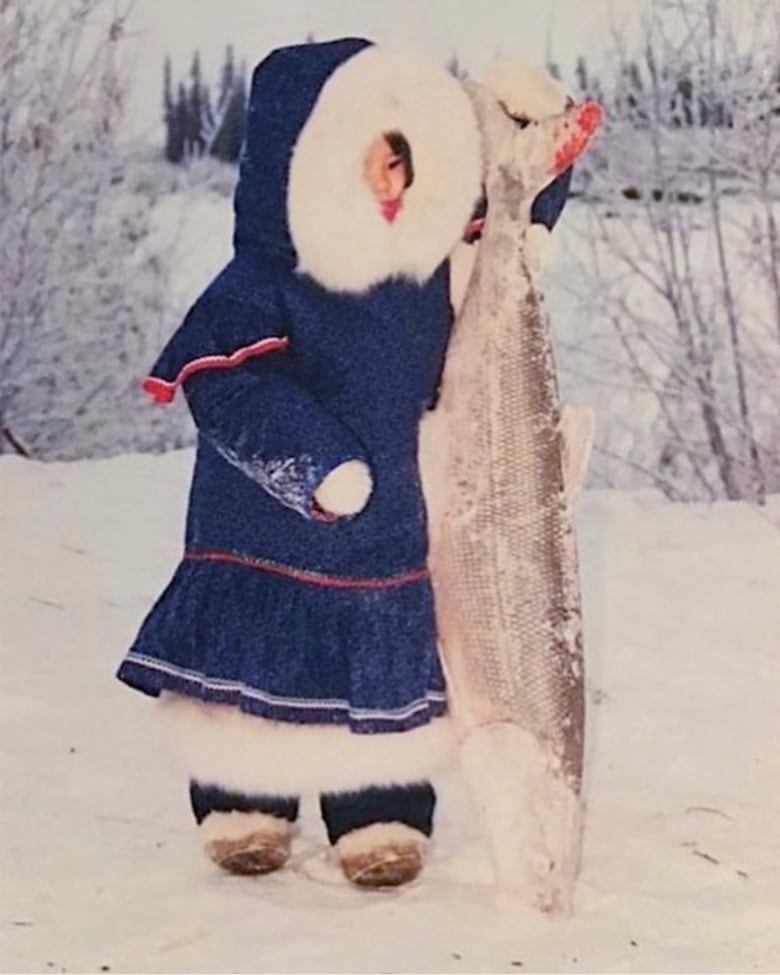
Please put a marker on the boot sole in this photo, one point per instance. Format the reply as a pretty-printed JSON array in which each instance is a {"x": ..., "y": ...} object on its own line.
[
  {"x": 388, "y": 867},
  {"x": 251, "y": 856}
]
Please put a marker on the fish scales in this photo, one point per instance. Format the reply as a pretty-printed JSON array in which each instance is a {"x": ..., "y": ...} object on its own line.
[
  {"x": 506, "y": 527},
  {"x": 503, "y": 560}
]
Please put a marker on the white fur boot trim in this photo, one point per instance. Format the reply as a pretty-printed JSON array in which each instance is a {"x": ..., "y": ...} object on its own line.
[
  {"x": 221, "y": 745},
  {"x": 368, "y": 838},
  {"x": 246, "y": 843},
  {"x": 237, "y": 825},
  {"x": 382, "y": 854}
]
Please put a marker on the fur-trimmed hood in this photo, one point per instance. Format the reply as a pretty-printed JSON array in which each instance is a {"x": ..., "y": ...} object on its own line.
[{"x": 301, "y": 199}]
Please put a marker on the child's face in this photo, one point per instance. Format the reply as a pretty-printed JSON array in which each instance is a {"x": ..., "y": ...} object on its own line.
[{"x": 386, "y": 176}]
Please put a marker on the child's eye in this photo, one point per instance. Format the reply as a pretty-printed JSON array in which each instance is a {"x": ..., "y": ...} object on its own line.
[{"x": 395, "y": 162}]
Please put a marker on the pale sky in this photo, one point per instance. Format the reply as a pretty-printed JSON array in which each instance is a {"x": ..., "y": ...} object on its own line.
[{"x": 476, "y": 30}]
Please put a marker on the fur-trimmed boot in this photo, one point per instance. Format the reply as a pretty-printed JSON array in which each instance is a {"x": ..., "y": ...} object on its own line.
[
  {"x": 380, "y": 833},
  {"x": 382, "y": 855},
  {"x": 244, "y": 834},
  {"x": 246, "y": 842}
]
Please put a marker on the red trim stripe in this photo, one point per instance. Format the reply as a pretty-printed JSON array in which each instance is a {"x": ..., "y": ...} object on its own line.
[
  {"x": 302, "y": 575},
  {"x": 163, "y": 391}
]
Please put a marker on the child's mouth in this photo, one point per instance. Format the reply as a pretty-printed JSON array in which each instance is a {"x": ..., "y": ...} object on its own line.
[{"x": 391, "y": 209}]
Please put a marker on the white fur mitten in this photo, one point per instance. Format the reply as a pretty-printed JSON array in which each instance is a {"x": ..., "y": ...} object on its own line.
[
  {"x": 526, "y": 90},
  {"x": 346, "y": 490}
]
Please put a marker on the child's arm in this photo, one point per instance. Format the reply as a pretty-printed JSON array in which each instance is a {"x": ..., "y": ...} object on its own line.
[
  {"x": 248, "y": 404},
  {"x": 279, "y": 435}
]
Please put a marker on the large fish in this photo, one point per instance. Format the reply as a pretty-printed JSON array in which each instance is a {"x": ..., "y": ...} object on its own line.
[{"x": 503, "y": 554}]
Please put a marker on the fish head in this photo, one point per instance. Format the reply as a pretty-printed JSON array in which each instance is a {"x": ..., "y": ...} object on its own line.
[
  {"x": 544, "y": 149},
  {"x": 519, "y": 161}
]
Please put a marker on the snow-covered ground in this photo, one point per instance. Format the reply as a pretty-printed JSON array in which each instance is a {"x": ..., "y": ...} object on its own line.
[{"x": 100, "y": 869}]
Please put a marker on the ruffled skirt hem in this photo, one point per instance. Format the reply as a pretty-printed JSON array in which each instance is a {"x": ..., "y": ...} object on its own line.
[{"x": 288, "y": 649}]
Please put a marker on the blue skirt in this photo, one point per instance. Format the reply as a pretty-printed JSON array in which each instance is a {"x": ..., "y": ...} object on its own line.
[{"x": 291, "y": 645}]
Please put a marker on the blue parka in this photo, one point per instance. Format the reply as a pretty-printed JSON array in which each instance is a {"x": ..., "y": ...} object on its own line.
[{"x": 275, "y": 607}]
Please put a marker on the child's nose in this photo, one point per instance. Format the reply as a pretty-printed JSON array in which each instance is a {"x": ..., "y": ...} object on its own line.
[
  {"x": 394, "y": 183},
  {"x": 386, "y": 183}
]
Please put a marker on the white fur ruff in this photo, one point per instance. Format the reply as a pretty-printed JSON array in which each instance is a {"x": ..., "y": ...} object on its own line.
[
  {"x": 337, "y": 229},
  {"x": 220, "y": 745},
  {"x": 365, "y": 840}
]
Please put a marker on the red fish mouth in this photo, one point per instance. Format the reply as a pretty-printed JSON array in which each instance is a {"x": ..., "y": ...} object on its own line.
[
  {"x": 584, "y": 122},
  {"x": 391, "y": 209}
]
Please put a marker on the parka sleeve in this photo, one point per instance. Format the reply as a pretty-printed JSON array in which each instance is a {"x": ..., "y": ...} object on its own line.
[
  {"x": 550, "y": 202},
  {"x": 248, "y": 404}
]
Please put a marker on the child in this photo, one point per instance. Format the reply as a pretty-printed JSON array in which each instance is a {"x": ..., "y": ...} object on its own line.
[{"x": 294, "y": 649}]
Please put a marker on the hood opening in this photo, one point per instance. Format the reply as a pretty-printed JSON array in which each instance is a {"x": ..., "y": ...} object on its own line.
[
  {"x": 343, "y": 238},
  {"x": 302, "y": 199}
]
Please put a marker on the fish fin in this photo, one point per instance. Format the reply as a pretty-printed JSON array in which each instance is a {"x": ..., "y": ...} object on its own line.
[
  {"x": 462, "y": 259},
  {"x": 532, "y": 818},
  {"x": 539, "y": 246},
  {"x": 432, "y": 457},
  {"x": 578, "y": 428}
]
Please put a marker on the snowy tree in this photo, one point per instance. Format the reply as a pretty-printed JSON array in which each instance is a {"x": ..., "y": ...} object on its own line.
[
  {"x": 196, "y": 127},
  {"x": 688, "y": 277},
  {"x": 230, "y": 118},
  {"x": 80, "y": 302},
  {"x": 174, "y": 112},
  {"x": 456, "y": 68},
  {"x": 582, "y": 77},
  {"x": 197, "y": 114}
]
